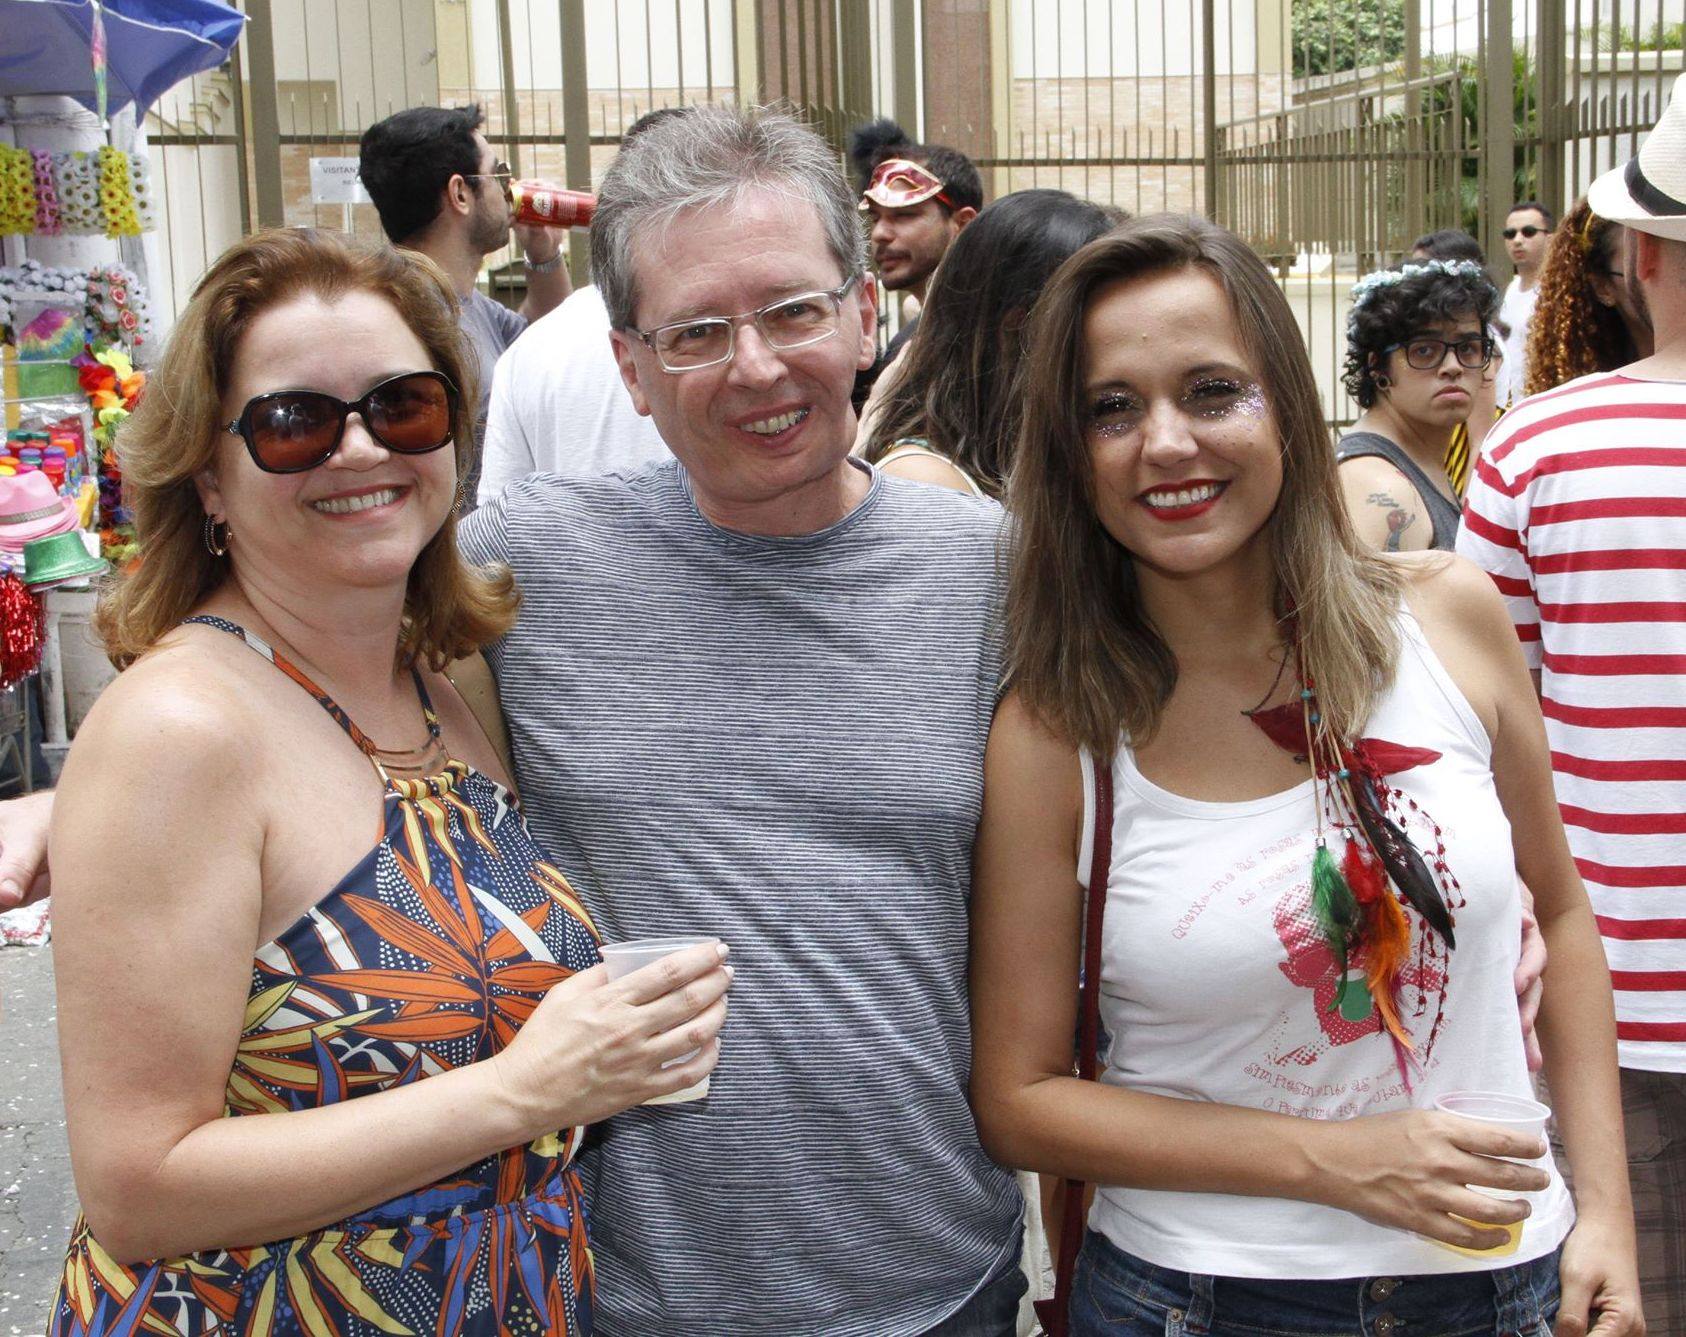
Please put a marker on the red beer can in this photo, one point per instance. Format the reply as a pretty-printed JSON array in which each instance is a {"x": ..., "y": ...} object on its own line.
[{"x": 551, "y": 206}]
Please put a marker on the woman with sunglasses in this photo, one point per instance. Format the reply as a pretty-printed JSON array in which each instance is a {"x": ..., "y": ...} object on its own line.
[
  {"x": 1304, "y": 761},
  {"x": 331, "y": 1027},
  {"x": 1417, "y": 350}
]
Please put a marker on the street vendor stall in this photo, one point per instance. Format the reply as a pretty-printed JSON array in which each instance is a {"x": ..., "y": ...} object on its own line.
[{"x": 76, "y": 78}]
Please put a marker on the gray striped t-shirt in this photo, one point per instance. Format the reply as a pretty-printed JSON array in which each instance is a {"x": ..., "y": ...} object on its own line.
[{"x": 780, "y": 741}]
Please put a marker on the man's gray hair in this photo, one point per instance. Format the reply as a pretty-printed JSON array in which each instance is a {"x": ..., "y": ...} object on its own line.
[{"x": 711, "y": 156}]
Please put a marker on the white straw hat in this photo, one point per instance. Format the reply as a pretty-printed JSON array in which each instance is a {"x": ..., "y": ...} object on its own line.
[{"x": 1649, "y": 192}]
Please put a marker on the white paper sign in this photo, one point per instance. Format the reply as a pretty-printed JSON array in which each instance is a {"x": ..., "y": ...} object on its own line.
[{"x": 334, "y": 181}]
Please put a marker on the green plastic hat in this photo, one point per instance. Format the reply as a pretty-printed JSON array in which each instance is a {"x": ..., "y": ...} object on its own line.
[{"x": 58, "y": 558}]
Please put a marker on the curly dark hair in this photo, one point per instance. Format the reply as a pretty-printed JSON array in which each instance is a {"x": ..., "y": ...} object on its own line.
[
  {"x": 1573, "y": 333},
  {"x": 1433, "y": 293}
]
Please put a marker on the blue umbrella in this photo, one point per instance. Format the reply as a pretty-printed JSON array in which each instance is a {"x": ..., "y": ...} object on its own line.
[{"x": 48, "y": 46}]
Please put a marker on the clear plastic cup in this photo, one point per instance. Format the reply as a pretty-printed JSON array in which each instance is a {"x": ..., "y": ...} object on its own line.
[
  {"x": 1504, "y": 1111},
  {"x": 622, "y": 958}
]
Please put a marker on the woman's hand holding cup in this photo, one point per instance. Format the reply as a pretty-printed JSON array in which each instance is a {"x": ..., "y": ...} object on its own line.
[
  {"x": 1420, "y": 1170},
  {"x": 595, "y": 1046}
]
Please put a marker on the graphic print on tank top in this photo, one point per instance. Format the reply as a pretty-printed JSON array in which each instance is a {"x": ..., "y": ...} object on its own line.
[
  {"x": 1217, "y": 982},
  {"x": 1345, "y": 1010}
]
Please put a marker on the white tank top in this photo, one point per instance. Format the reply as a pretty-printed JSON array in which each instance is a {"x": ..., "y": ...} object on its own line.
[{"x": 1216, "y": 985}]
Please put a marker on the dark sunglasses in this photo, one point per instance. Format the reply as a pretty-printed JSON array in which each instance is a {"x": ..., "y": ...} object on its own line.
[
  {"x": 501, "y": 172},
  {"x": 1529, "y": 232},
  {"x": 289, "y": 431}
]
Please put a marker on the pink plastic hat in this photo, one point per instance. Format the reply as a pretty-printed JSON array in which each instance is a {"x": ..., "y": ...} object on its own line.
[{"x": 31, "y": 508}]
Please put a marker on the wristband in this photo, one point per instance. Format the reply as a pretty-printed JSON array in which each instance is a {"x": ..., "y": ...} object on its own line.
[{"x": 549, "y": 266}]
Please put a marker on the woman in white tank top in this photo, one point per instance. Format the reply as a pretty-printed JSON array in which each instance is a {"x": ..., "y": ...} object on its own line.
[{"x": 1328, "y": 769}]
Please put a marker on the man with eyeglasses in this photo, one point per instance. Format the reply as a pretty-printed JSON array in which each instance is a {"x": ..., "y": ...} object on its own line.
[
  {"x": 441, "y": 190},
  {"x": 1527, "y": 234},
  {"x": 749, "y": 696}
]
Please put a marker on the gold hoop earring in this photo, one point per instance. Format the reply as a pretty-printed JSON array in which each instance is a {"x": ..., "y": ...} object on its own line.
[{"x": 212, "y": 545}]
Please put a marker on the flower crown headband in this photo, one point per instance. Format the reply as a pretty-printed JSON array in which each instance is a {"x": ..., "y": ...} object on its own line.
[{"x": 1373, "y": 282}]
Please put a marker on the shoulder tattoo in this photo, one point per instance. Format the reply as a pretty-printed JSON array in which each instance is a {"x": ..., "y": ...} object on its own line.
[{"x": 1398, "y": 518}]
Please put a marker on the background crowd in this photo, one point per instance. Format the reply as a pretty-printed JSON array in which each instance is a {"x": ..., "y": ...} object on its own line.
[{"x": 1058, "y": 627}]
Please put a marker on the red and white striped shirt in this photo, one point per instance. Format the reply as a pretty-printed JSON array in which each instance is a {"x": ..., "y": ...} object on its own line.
[{"x": 1578, "y": 511}]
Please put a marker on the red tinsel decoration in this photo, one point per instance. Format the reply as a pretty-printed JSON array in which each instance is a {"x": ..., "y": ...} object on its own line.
[{"x": 23, "y": 625}]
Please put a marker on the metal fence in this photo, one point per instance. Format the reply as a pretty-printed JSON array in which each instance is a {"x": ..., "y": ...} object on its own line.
[{"x": 1329, "y": 133}]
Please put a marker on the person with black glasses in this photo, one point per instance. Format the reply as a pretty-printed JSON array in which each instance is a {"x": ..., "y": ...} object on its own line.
[
  {"x": 441, "y": 189},
  {"x": 1417, "y": 349},
  {"x": 332, "y": 1026},
  {"x": 1527, "y": 234}
]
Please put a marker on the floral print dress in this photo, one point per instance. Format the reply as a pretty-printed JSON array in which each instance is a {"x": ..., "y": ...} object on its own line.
[{"x": 427, "y": 956}]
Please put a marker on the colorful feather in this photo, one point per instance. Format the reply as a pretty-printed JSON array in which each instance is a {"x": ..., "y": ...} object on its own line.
[
  {"x": 1336, "y": 910},
  {"x": 1386, "y": 935},
  {"x": 1404, "y": 865}
]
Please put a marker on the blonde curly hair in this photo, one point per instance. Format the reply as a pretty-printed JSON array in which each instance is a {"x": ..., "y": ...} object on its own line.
[{"x": 1573, "y": 333}]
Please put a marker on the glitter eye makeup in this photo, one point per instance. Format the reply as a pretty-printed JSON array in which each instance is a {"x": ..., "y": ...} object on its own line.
[
  {"x": 1214, "y": 399},
  {"x": 1223, "y": 398},
  {"x": 1114, "y": 414}
]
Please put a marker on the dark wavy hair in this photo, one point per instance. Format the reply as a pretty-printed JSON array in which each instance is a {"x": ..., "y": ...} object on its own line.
[
  {"x": 868, "y": 143},
  {"x": 1449, "y": 243},
  {"x": 1431, "y": 293},
  {"x": 1573, "y": 333},
  {"x": 957, "y": 387}
]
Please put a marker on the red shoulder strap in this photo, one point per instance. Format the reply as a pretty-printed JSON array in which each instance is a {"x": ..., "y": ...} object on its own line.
[{"x": 1053, "y": 1315}]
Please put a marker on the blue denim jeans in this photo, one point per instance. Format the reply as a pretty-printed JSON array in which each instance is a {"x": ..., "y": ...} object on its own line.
[
  {"x": 992, "y": 1312},
  {"x": 1118, "y": 1294}
]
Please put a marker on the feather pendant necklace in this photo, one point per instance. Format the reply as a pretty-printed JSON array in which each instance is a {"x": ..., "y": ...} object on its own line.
[{"x": 1361, "y": 888}]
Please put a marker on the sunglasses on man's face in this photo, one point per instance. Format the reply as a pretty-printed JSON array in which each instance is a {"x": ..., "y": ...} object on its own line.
[
  {"x": 501, "y": 172},
  {"x": 289, "y": 431},
  {"x": 1530, "y": 232}
]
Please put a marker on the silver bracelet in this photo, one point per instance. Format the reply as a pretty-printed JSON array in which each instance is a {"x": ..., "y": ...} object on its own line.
[{"x": 549, "y": 266}]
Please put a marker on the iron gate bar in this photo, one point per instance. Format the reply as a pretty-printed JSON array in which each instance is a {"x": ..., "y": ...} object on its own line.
[
  {"x": 577, "y": 138},
  {"x": 266, "y": 114}
]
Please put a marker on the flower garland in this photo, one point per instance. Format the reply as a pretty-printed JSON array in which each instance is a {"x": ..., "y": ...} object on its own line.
[
  {"x": 140, "y": 184},
  {"x": 1378, "y": 279},
  {"x": 17, "y": 191},
  {"x": 117, "y": 308},
  {"x": 47, "y": 220},
  {"x": 45, "y": 193},
  {"x": 117, "y": 195},
  {"x": 78, "y": 191},
  {"x": 114, "y": 304}
]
